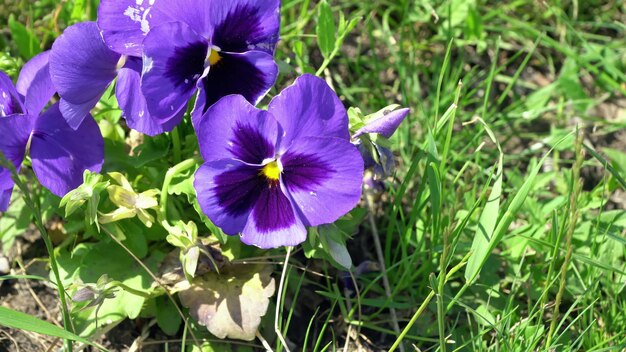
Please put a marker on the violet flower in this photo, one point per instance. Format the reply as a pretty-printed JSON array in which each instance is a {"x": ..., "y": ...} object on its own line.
[
  {"x": 82, "y": 67},
  {"x": 214, "y": 47},
  {"x": 59, "y": 153},
  {"x": 371, "y": 136},
  {"x": 269, "y": 174}
]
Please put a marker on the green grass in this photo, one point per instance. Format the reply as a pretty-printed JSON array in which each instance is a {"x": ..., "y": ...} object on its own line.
[
  {"x": 531, "y": 73},
  {"x": 494, "y": 236}
]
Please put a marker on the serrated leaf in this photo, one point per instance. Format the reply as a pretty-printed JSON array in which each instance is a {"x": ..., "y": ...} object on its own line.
[
  {"x": 325, "y": 30},
  {"x": 231, "y": 304}
]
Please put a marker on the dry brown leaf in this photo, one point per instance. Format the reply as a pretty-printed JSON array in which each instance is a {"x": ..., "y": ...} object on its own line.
[{"x": 231, "y": 304}]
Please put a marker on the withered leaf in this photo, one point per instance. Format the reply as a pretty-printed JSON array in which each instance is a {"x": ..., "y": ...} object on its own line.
[{"x": 231, "y": 304}]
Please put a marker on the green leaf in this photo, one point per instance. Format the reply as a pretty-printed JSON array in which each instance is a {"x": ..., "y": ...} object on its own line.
[
  {"x": 18, "y": 320},
  {"x": 486, "y": 227},
  {"x": 88, "y": 262},
  {"x": 79, "y": 10},
  {"x": 333, "y": 241},
  {"x": 484, "y": 316},
  {"x": 326, "y": 29},
  {"x": 167, "y": 316},
  {"x": 607, "y": 165},
  {"x": 27, "y": 44},
  {"x": 14, "y": 222},
  {"x": 509, "y": 215}
]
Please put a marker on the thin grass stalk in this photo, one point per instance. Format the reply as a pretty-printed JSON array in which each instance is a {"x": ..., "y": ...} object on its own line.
[
  {"x": 35, "y": 209},
  {"x": 573, "y": 217},
  {"x": 381, "y": 262},
  {"x": 427, "y": 300}
]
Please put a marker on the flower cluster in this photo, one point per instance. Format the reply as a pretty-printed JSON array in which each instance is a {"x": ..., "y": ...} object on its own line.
[
  {"x": 267, "y": 174},
  {"x": 57, "y": 151}
]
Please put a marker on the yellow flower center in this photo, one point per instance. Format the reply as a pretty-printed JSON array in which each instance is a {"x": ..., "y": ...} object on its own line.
[
  {"x": 271, "y": 171},
  {"x": 214, "y": 56}
]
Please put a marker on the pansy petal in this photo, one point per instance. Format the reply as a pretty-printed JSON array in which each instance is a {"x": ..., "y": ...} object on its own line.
[
  {"x": 385, "y": 125},
  {"x": 10, "y": 100},
  {"x": 234, "y": 129},
  {"x": 133, "y": 103},
  {"x": 309, "y": 108},
  {"x": 61, "y": 154},
  {"x": 324, "y": 177},
  {"x": 81, "y": 66},
  {"x": 274, "y": 221},
  {"x": 124, "y": 24},
  {"x": 234, "y": 25},
  {"x": 227, "y": 191},
  {"x": 15, "y": 131},
  {"x": 5, "y": 198},
  {"x": 173, "y": 61},
  {"x": 74, "y": 114},
  {"x": 251, "y": 74},
  {"x": 243, "y": 25},
  {"x": 35, "y": 83},
  {"x": 196, "y": 14}
]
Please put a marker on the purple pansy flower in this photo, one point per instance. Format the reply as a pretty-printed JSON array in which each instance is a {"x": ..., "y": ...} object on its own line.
[
  {"x": 376, "y": 156},
  {"x": 82, "y": 67},
  {"x": 214, "y": 47},
  {"x": 385, "y": 125},
  {"x": 268, "y": 174},
  {"x": 59, "y": 153}
]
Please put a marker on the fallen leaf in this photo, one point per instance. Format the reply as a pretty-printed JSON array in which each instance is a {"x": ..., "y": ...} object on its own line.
[{"x": 231, "y": 304}]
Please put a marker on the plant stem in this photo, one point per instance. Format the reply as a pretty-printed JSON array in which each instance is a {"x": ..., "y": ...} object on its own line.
[
  {"x": 176, "y": 142},
  {"x": 383, "y": 269},
  {"x": 422, "y": 307},
  {"x": 573, "y": 217},
  {"x": 173, "y": 171},
  {"x": 156, "y": 279},
  {"x": 441, "y": 312},
  {"x": 279, "y": 300},
  {"x": 34, "y": 207}
]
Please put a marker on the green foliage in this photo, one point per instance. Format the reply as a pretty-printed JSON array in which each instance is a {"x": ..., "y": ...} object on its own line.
[
  {"x": 473, "y": 221},
  {"x": 26, "y": 41},
  {"x": 19, "y": 320}
]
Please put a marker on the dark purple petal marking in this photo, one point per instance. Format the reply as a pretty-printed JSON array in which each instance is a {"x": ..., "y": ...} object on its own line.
[
  {"x": 227, "y": 191},
  {"x": 304, "y": 172},
  {"x": 249, "y": 145},
  {"x": 273, "y": 210},
  {"x": 243, "y": 27},
  {"x": 324, "y": 178},
  {"x": 238, "y": 190},
  {"x": 233, "y": 25},
  {"x": 186, "y": 65},
  {"x": 251, "y": 74},
  {"x": 234, "y": 129},
  {"x": 173, "y": 62},
  {"x": 10, "y": 101}
]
